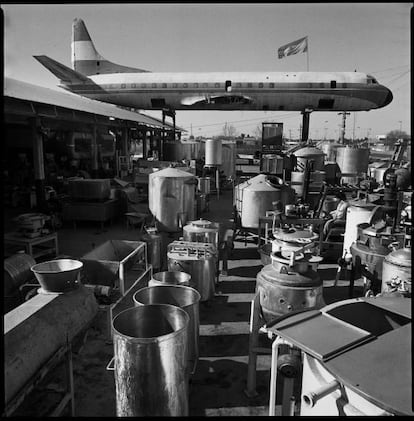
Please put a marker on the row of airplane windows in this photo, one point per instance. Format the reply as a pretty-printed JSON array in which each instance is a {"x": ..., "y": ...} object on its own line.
[{"x": 215, "y": 85}]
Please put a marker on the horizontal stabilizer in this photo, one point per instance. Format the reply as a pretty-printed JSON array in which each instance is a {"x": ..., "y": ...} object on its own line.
[{"x": 65, "y": 74}]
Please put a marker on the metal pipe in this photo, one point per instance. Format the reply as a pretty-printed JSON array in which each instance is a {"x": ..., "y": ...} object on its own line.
[{"x": 312, "y": 397}]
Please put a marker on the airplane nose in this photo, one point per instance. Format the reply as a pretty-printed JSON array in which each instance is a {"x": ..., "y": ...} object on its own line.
[{"x": 388, "y": 98}]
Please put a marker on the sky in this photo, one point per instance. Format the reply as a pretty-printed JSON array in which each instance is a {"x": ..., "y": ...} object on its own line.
[{"x": 373, "y": 38}]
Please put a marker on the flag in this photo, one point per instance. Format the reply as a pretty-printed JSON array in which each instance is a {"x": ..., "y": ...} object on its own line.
[{"x": 299, "y": 46}]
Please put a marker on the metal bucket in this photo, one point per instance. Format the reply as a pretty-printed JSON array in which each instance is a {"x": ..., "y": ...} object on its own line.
[
  {"x": 58, "y": 275},
  {"x": 170, "y": 278},
  {"x": 17, "y": 272},
  {"x": 181, "y": 296},
  {"x": 150, "y": 351}
]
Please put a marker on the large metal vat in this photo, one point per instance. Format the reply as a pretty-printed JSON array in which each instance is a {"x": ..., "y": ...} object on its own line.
[
  {"x": 90, "y": 189},
  {"x": 183, "y": 297},
  {"x": 171, "y": 197},
  {"x": 36, "y": 329},
  {"x": 271, "y": 164},
  {"x": 171, "y": 278},
  {"x": 359, "y": 212},
  {"x": 204, "y": 185},
  {"x": 315, "y": 182},
  {"x": 150, "y": 351},
  {"x": 353, "y": 162},
  {"x": 396, "y": 272},
  {"x": 197, "y": 259},
  {"x": 202, "y": 231},
  {"x": 173, "y": 151},
  {"x": 16, "y": 273},
  {"x": 228, "y": 165},
  {"x": 361, "y": 377},
  {"x": 285, "y": 286},
  {"x": 256, "y": 196},
  {"x": 214, "y": 153},
  {"x": 309, "y": 153},
  {"x": 329, "y": 149}
]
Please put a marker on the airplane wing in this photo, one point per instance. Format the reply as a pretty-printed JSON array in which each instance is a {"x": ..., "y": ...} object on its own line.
[
  {"x": 216, "y": 99},
  {"x": 65, "y": 74}
]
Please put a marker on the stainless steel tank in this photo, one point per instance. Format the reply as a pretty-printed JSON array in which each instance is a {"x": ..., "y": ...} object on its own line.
[
  {"x": 150, "y": 351},
  {"x": 329, "y": 149},
  {"x": 171, "y": 197},
  {"x": 204, "y": 184},
  {"x": 170, "y": 278},
  {"x": 214, "y": 153},
  {"x": 315, "y": 182},
  {"x": 202, "y": 231},
  {"x": 228, "y": 165},
  {"x": 154, "y": 243},
  {"x": 197, "y": 259},
  {"x": 353, "y": 162},
  {"x": 396, "y": 272},
  {"x": 34, "y": 332},
  {"x": 173, "y": 151},
  {"x": 255, "y": 196},
  {"x": 308, "y": 153},
  {"x": 190, "y": 150},
  {"x": 285, "y": 286},
  {"x": 271, "y": 164},
  {"x": 183, "y": 297}
]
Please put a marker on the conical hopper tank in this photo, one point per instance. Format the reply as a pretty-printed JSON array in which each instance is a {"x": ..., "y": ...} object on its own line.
[
  {"x": 256, "y": 196},
  {"x": 171, "y": 197}
]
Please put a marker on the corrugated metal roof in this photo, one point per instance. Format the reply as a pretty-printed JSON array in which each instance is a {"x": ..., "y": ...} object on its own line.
[{"x": 14, "y": 88}]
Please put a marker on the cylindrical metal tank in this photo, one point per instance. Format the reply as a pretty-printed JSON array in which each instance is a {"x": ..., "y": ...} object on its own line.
[
  {"x": 271, "y": 164},
  {"x": 183, "y": 297},
  {"x": 359, "y": 212},
  {"x": 173, "y": 151},
  {"x": 329, "y": 149},
  {"x": 202, "y": 231},
  {"x": 255, "y": 196},
  {"x": 228, "y": 165},
  {"x": 16, "y": 273},
  {"x": 214, "y": 153},
  {"x": 283, "y": 288},
  {"x": 190, "y": 150},
  {"x": 150, "y": 351},
  {"x": 310, "y": 153},
  {"x": 35, "y": 330},
  {"x": 197, "y": 259},
  {"x": 297, "y": 180},
  {"x": 396, "y": 272},
  {"x": 170, "y": 278},
  {"x": 153, "y": 241},
  {"x": 171, "y": 197},
  {"x": 352, "y": 162},
  {"x": 204, "y": 185}
]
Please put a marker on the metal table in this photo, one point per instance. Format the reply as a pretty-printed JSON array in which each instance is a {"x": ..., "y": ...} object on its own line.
[{"x": 37, "y": 246}]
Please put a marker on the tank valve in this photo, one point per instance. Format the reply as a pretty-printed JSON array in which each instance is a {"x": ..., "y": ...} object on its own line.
[{"x": 312, "y": 397}]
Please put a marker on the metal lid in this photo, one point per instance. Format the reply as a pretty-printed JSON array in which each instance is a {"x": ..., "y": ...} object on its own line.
[
  {"x": 293, "y": 235},
  {"x": 201, "y": 223},
  {"x": 401, "y": 257},
  {"x": 308, "y": 151},
  {"x": 171, "y": 172}
]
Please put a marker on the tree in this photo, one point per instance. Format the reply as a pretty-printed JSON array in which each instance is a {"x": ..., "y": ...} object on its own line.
[
  {"x": 394, "y": 135},
  {"x": 229, "y": 130}
]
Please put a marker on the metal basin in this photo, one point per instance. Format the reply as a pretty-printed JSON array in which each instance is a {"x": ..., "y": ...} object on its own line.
[
  {"x": 170, "y": 278},
  {"x": 58, "y": 275}
]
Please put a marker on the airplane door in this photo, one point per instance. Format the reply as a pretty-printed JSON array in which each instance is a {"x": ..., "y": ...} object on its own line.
[{"x": 228, "y": 85}]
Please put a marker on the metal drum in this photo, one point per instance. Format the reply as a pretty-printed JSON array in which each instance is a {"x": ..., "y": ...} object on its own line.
[
  {"x": 202, "y": 231},
  {"x": 197, "y": 259},
  {"x": 256, "y": 196},
  {"x": 228, "y": 165},
  {"x": 353, "y": 162},
  {"x": 190, "y": 150},
  {"x": 171, "y": 197},
  {"x": 308, "y": 153},
  {"x": 214, "y": 153},
  {"x": 315, "y": 183},
  {"x": 150, "y": 351},
  {"x": 16, "y": 273},
  {"x": 271, "y": 164},
  {"x": 359, "y": 212},
  {"x": 153, "y": 241},
  {"x": 284, "y": 286},
  {"x": 173, "y": 151},
  {"x": 329, "y": 149},
  {"x": 396, "y": 272},
  {"x": 170, "y": 278},
  {"x": 204, "y": 185},
  {"x": 181, "y": 296}
]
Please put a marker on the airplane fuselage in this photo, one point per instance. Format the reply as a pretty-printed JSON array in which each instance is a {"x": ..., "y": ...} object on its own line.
[{"x": 279, "y": 91}]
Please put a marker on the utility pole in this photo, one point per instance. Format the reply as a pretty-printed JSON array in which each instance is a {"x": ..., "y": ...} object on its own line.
[{"x": 344, "y": 114}]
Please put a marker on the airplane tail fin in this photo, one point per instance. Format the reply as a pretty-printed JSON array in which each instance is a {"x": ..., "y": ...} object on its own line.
[{"x": 85, "y": 58}]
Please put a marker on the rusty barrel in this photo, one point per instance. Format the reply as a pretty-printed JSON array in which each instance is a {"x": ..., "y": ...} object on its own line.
[{"x": 150, "y": 351}]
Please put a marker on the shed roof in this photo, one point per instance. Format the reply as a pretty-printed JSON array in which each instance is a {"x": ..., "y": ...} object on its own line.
[{"x": 18, "y": 89}]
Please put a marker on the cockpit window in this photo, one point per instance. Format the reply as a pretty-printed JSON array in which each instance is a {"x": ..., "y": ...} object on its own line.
[{"x": 371, "y": 79}]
